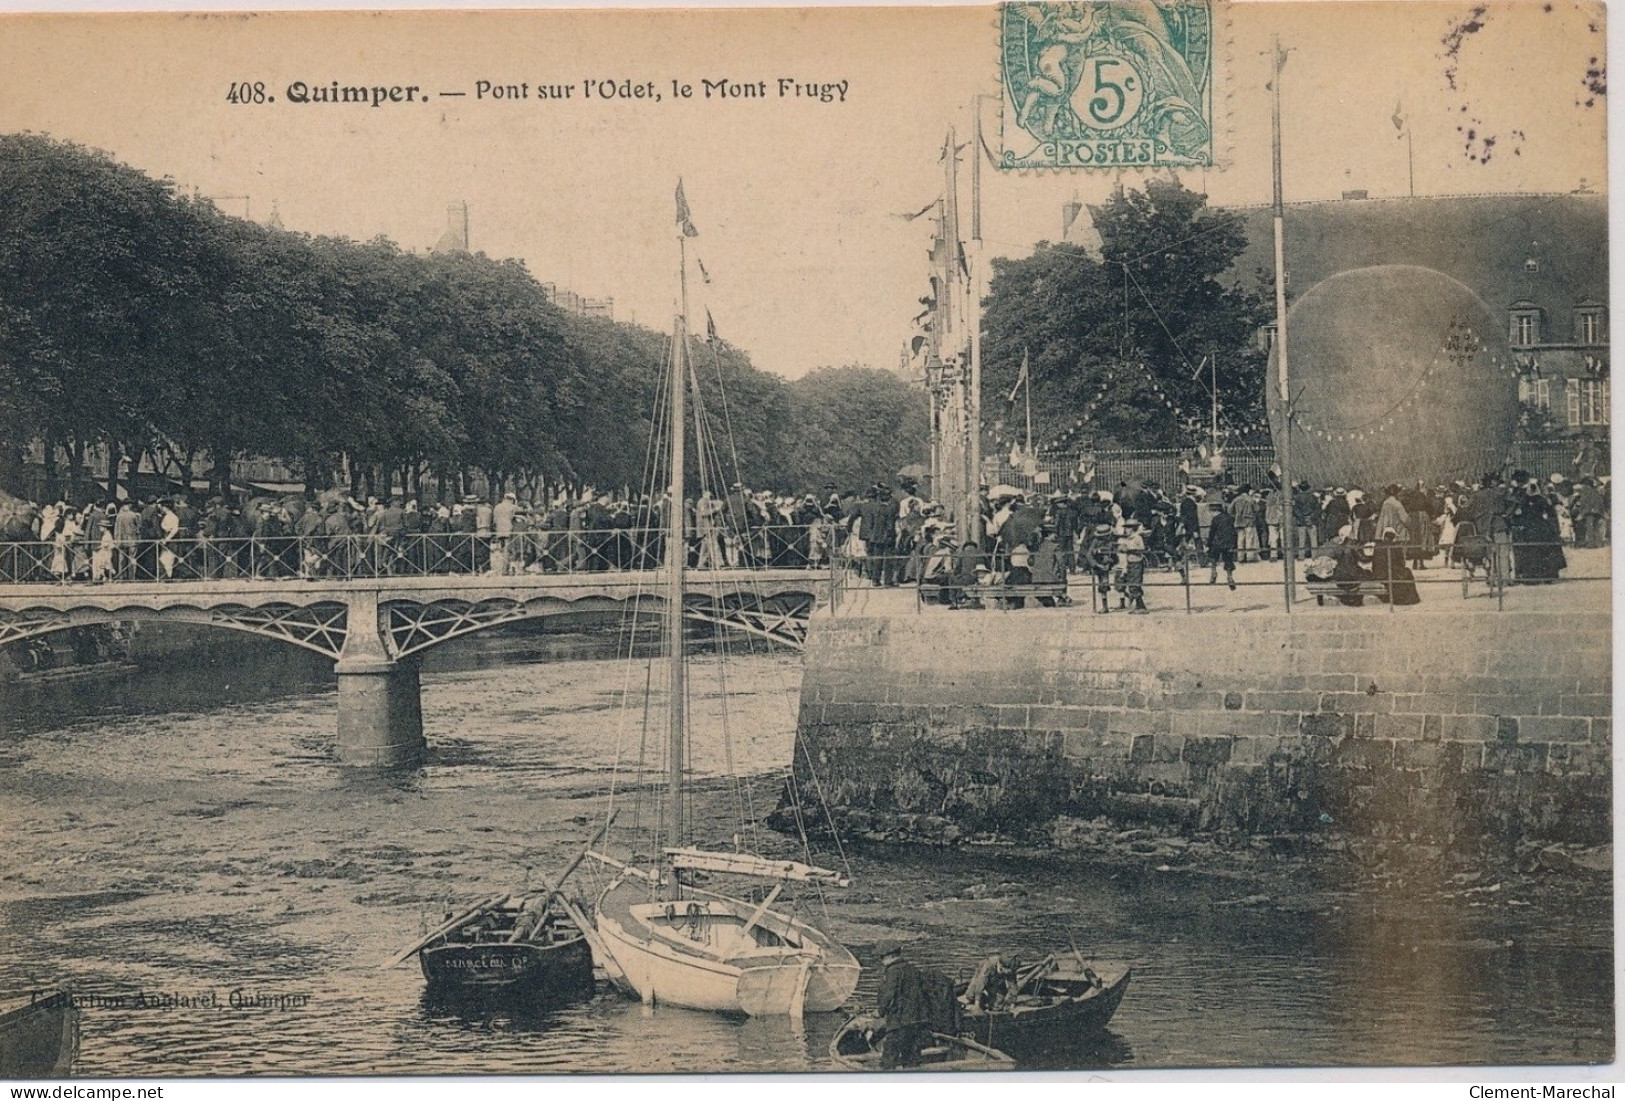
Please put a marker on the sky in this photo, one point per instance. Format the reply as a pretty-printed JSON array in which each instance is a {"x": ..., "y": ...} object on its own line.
[{"x": 797, "y": 201}]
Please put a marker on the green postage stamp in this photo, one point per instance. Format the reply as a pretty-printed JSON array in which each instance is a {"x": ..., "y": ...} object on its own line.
[{"x": 1107, "y": 84}]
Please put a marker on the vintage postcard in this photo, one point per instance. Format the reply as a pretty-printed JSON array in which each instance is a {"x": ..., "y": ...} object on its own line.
[{"x": 1051, "y": 536}]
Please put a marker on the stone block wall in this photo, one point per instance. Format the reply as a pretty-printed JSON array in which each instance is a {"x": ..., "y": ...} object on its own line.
[{"x": 1487, "y": 727}]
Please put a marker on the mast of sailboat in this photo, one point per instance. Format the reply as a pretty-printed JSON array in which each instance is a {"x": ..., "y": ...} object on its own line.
[{"x": 677, "y": 547}]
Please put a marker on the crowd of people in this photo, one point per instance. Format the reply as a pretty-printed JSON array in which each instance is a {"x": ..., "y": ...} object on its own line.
[
  {"x": 891, "y": 535},
  {"x": 334, "y": 534},
  {"x": 1515, "y": 523}
]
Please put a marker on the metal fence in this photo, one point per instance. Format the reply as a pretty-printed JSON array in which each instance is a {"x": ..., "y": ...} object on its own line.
[
  {"x": 1489, "y": 570},
  {"x": 351, "y": 557}
]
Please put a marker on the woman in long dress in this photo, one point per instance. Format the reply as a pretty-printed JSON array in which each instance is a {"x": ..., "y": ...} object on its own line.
[
  {"x": 1537, "y": 546},
  {"x": 1447, "y": 528},
  {"x": 1388, "y": 564},
  {"x": 1393, "y": 515}
]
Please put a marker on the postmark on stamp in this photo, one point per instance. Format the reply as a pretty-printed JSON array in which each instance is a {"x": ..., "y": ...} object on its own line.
[{"x": 1107, "y": 84}]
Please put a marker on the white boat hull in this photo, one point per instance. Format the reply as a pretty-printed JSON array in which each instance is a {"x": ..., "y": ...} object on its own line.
[{"x": 701, "y": 955}]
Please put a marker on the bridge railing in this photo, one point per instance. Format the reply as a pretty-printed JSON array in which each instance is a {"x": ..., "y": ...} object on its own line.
[{"x": 357, "y": 557}]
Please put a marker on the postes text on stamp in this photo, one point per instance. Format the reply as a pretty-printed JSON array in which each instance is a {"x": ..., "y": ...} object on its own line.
[{"x": 1107, "y": 84}]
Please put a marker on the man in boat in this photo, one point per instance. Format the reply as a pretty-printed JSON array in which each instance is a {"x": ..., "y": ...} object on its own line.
[
  {"x": 533, "y": 915},
  {"x": 989, "y": 986},
  {"x": 903, "y": 1004}
]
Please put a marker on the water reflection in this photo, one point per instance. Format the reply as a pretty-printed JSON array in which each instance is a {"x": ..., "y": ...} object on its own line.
[{"x": 189, "y": 837}]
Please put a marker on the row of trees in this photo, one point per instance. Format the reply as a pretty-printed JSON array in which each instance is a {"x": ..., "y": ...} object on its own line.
[
  {"x": 1116, "y": 338},
  {"x": 147, "y": 322}
]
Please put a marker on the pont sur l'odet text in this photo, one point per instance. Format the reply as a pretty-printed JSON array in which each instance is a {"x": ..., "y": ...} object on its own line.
[{"x": 342, "y": 94}]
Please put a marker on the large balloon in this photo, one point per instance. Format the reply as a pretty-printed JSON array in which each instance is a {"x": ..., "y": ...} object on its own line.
[{"x": 1397, "y": 373}]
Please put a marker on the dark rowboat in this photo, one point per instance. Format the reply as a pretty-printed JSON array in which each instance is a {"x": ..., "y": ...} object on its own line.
[
  {"x": 856, "y": 1047},
  {"x": 506, "y": 954},
  {"x": 39, "y": 1038},
  {"x": 1061, "y": 1004}
]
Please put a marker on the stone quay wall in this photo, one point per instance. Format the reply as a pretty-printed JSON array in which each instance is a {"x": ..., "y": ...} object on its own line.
[{"x": 1473, "y": 728}]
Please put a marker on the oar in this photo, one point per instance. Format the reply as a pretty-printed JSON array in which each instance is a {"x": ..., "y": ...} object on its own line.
[
  {"x": 1038, "y": 970},
  {"x": 461, "y": 919},
  {"x": 570, "y": 868},
  {"x": 1074, "y": 945},
  {"x": 599, "y": 948}
]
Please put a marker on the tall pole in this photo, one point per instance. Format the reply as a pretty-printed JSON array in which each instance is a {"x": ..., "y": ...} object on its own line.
[
  {"x": 1213, "y": 391},
  {"x": 1290, "y": 529},
  {"x": 676, "y": 560},
  {"x": 1029, "y": 391},
  {"x": 1410, "y": 158},
  {"x": 973, "y": 506},
  {"x": 956, "y": 446}
]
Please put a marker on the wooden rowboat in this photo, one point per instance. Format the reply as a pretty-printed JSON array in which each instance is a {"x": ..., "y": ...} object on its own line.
[
  {"x": 499, "y": 956},
  {"x": 39, "y": 1038},
  {"x": 857, "y": 1047},
  {"x": 1064, "y": 1003}
]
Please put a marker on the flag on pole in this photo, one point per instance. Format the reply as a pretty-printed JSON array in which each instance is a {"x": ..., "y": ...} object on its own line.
[
  {"x": 710, "y": 327},
  {"x": 682, "y": 213},
  {"x": 1280, "y": 63},
  {"x": 1399, "y": 118},
  {"x": 1021, "y": 377},
  {"x": 920, "y": 213}
]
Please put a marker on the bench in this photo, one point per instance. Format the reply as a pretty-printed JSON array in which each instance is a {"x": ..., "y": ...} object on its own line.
[
  {"x": 1001, "y": 595},
  {"x": 1320, "y": 590}
]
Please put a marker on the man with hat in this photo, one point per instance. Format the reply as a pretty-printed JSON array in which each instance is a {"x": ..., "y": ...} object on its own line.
[
  {"x": 1587, "y": 507},
  {"x": 903, "y": 1006},
  {"x": 1222, "y": 540},
  {"x": 1100, "y": 557},
  {"x": 1305, "y": 518},
  {"x": 1132, "y": 548}
]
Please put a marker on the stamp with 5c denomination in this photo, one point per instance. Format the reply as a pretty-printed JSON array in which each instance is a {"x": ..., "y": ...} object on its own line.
[{"x": 1107, "y": 84}]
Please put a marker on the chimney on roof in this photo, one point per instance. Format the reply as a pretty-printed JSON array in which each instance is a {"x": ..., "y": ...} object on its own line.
[
  {"x": 455, "y": 239},
  {"x": 1360, "y": 194},
  {"x": 1069, "y": 215}
]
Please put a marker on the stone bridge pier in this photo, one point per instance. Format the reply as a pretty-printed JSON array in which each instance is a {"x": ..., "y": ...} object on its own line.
[{"x": 380, "y": 722}]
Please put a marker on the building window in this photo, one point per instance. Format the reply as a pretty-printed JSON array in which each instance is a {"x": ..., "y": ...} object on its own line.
[
  {"x": 1588, "y": 402},
  {"x": 1588, "y": 327},
  {"x": 1540, "y": 393},
  {"x": 1524, "y": 330},
  {"x": 1532, "y": 266}
]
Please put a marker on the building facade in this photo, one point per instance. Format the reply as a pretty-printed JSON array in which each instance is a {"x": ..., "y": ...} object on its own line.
[{"x": 1563, "y": 376}]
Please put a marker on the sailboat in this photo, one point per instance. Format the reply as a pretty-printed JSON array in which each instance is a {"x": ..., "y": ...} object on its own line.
[{"x": 667, "y": 939}]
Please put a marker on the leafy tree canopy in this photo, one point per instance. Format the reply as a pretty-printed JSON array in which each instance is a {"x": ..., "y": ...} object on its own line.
[
  {"x": 1116, "y": 339},
  {"x": 150, "y": 323}
]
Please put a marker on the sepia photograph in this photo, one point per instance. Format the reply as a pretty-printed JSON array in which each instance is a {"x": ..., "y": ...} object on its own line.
[{"x": 1063, "y": 536}]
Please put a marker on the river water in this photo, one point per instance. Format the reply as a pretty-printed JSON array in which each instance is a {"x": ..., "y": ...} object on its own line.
[{"x": 182, "y": 850}]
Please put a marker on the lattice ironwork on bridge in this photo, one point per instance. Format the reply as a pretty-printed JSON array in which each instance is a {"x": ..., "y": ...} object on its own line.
[
  {"x": 400, "y": 617},
  {"x": 320, "y": 627},
  {"x": 781, "y": 618},
  {"x": 31, "y": 621},
  {"x": 412, "y": 627}
]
